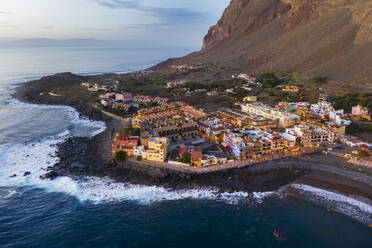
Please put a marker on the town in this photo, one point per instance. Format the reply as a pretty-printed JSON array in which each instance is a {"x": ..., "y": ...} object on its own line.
[{"x": 178, "y": 135}]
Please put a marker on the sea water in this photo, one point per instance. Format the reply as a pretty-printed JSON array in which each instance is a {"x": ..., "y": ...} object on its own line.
[{"x": 97, "y": 212}]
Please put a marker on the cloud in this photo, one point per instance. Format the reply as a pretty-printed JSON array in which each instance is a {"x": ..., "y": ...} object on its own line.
[
  {"x": 115, "y": 4},
  {"x": 95, "y": 29},
  {"x": 167, "y": 17},
  {"x": 8, "y": 25},
  {"x": 5, "y": 13},
  {"x": 48, "y": 27}
]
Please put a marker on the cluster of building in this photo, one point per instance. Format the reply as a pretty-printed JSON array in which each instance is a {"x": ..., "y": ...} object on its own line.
[
  {"x": 94, "y": 87},
  {"x": 197, "y": 158},
  {"x": 125, "y": 101},
  {"x": 176, "y": 83},
  {"x": 214, "y": 127},
  {"x": 283, "y": 118},
  {"x": 160, "y": 126},
  {"x": 182, "y": 68},
  {"x": 117, "y": 100},
  {"x": 359, "y": 113},
  {"x": 254, "y": 129},
  {"x": 168, "y": 115},
  {"x": 253, "y": 142},
  {"x": 152, "y": 149},
  {"x": 246, "y": 143},
  {"x": 245, "y": 77},
  {"x": 142, "y": 99}
]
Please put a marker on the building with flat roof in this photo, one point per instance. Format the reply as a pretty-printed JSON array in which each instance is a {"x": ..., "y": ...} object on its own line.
[
  {"x": 157, "y": 149},
  {"x": 193, "y": 113},
  {"x": 173, "y": 132},
  {"x": 311, "y": 136},
  {"x": 284, "y": 118},
  {"x": 245, "y": 143},
  {"x": 240, "y": 118}
]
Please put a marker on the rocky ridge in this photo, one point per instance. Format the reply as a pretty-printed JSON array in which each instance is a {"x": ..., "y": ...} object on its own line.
[{"x": 330, "y": 38}]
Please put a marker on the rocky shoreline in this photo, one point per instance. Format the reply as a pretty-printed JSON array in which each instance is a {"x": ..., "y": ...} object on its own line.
[{"x": 92, "y": 157}]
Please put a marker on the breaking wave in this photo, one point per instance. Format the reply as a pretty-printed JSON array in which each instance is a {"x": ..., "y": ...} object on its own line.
[
  {"x": 33, "y": 159},
  {"x": 356, "y": 208},
  {"x": 22, "y": 164}
]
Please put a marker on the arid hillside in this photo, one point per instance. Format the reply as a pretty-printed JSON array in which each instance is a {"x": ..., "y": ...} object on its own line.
[{"x": 330, "y": 38}]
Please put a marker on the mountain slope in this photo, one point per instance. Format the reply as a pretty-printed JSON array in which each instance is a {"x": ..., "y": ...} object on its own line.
[{"x": 317, "y": 37}]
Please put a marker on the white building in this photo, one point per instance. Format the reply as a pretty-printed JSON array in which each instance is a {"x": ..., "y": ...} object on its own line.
[
  {"x": 309, "y": 136},
  {"x": 140, "y": 151},
  {"x": 284, "y": 118},
  {"x": 235, "y": 143},
  {"x": 208, "y": 160},
  {"x": 321, "y": 108},
  {"x": 175, "y": 83},
  {"x": 339, "y": 117},
  {"x": 213, "y": 126}
]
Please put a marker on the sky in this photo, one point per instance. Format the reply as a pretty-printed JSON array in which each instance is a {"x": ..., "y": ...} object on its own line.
[{"x": 168, "y": 22}]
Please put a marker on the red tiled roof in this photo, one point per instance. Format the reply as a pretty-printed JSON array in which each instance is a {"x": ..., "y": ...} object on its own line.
[
  {"x": 182, "y": 150},
  {"x": 196, "y": 154}
]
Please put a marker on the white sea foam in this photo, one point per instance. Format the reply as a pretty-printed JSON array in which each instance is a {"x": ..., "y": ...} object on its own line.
[
  {"x": 9, "y": 194},
  {"x": 350, "y": 206},
  {"x": 35, "y": 157},
  {"x": 99, "y": 190},
  {"x": 100, "y": 126},
  {"x": 18, "y": 103},
  {"x": 64, "y": 134}
]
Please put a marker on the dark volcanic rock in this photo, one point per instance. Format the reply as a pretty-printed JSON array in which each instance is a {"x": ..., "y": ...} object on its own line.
[
  {"x": 27, "y": 173},
  {"x": 75, "y": 155},
  {"x": 50, "y": 175}
]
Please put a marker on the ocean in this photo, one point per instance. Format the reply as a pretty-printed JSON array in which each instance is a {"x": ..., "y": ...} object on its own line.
[{"x": 93, "y": 212}]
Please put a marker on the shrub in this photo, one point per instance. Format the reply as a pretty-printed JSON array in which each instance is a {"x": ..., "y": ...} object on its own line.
[
  {"x": 120, "y": 156},
  {"x": 319, "y": 80},
  {"x": 269, "y": 80},
  {"x": 185, "y": 158}
]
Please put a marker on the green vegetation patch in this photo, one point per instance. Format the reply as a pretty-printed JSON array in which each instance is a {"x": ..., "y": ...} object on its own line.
[{"x": 121, "y": 156}]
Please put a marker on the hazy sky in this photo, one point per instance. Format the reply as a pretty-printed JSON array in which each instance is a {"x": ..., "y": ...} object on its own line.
[{"x": 182, "y": 22}]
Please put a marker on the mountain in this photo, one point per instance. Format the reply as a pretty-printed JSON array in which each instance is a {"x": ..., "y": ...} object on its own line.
[{"x": 330, "y": 38}]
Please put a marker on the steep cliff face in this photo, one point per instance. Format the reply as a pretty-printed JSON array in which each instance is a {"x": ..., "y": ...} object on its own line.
[
  {"x": 243, "y": 17},
  {"x": 324, "y": 37}
]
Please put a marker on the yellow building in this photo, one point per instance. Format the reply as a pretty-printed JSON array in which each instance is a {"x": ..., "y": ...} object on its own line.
[
  {"x": 361, "y": 118},
  {"x": 304, "y": 113},
  {"x": 157, "y": 149},
  {"x": 196, "y": 157},
  {"x": 250, "y": 99},
  {"x": 290, "y": 88},
  {"x": 338, "y": 131},
  {"x": 192, "y": 112}
]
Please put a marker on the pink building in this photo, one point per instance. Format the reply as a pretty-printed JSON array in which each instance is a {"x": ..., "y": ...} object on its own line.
[
  {"x": 359, "y": 110},
  {"x": 121, "y": 105},
  {"x": 125, "y": 97},
  {"x": 106, "y": 103}
]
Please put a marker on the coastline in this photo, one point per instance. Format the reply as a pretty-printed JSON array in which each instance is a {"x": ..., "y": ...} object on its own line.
[{"x": 88, "y": 157}]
